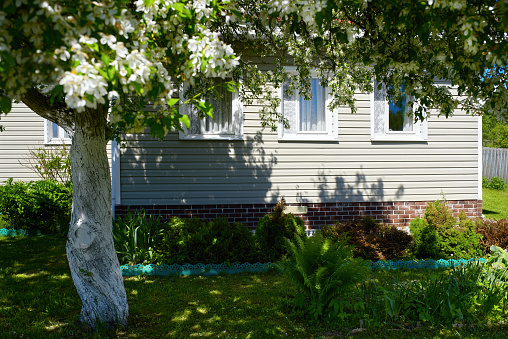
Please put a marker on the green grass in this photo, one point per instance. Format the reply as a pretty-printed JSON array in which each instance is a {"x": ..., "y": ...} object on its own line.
[
  {"x": 495, "y": 203},
  {"x": 38, "y": 300}
]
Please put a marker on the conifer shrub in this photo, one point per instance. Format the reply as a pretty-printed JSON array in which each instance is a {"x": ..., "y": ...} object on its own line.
[
  {"x": 273, "y": 228},
  {"x": 438, "y": 235},
  {"x": 371, "y": 240}
]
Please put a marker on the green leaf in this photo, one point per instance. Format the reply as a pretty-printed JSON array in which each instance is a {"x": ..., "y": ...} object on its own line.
[
  {"x": 139, "y": 89},
  {"x": 5, "y": 104},
  {"x": 105, "y": 59},
  {"x": 172, "y": 102},
  {"x": 111, "y": 73},
  {"x": 205, "y": 107},
  {"x": 185, "y": 120}
]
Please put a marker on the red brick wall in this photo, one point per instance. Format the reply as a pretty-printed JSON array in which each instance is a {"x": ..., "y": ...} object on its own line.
[{"x": 394, "y": 213}]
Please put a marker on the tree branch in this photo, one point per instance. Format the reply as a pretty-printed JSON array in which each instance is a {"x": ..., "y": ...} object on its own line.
[{"x": 57, "y": 112}]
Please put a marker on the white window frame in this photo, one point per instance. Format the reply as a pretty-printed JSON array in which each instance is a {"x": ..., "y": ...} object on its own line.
[
  {"x": 331, "y": 133},
  {"x": 236, "y": 121},
  {"x": 49, "y": 135},
  {"x": 379, "y": 123}
]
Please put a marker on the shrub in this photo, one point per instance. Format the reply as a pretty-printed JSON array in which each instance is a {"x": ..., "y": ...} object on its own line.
[
  {"x": 439, "y": 236},
  {"x": 208, "y": 242},
  {"x": 494, "y": 183},
  {"x": 371, "y": 240},
  {"x": 494, "y": 232},
  {"x": 51, "y": 163},
  {"x": 43, "y": 205},
  {"x": 137, "y": 238},
  {"x": 322, "y": 270},
  {"x": 273, "y": 228}
]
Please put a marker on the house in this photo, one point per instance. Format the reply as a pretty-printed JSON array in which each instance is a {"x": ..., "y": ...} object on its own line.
[{"x": 329, "y": 165}]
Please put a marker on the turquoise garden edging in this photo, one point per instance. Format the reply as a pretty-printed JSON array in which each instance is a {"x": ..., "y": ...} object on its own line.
[
  {"x": 215, "y": 269},
  {"x": 189, "y": 269}
]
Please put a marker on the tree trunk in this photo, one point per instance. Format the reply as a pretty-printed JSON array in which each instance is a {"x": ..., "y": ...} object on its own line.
[{"x": 92, "y": 258}]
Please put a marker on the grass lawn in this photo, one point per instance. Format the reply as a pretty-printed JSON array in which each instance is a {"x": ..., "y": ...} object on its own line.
[
  {"x": 38, "y": 300},
  {"x": 495, "y": 203}
]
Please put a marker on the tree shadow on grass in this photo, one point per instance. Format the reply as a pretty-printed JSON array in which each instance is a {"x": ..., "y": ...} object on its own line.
[{"x": 239, "y": 305}]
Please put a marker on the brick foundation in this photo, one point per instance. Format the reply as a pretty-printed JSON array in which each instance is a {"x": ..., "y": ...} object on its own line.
[{"x": 394, "y": 213}]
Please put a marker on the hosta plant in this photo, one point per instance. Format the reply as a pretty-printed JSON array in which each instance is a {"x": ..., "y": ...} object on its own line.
[{"x": 322, "y": 271}]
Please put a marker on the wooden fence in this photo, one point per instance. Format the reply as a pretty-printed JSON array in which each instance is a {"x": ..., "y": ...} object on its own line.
[{"x": 495, "y": 162}]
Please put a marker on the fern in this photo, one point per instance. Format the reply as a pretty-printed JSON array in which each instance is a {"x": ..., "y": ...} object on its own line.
[{"x": 321, "y": 271}]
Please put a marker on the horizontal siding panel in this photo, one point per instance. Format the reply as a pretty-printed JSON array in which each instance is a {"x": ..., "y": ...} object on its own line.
[
  {"x": 366, "y": 186},
  {"x": 234, "y": 196}
]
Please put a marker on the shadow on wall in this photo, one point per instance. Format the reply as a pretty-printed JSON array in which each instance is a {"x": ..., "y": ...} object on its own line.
[
  {"x": 190, "y": 172},
  {"x": 359, "y": 190}
]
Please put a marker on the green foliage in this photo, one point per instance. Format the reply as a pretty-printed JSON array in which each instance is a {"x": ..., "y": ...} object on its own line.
[
  {"x": 200, "y": 241},
  {"x": 439, "y": 236},
  {"x": 494, "y": 232},
  {"x": 494, "y": 183},
  {"x": 43, "y": 205},
  {"x": 137, "y": 238},
  {"x": 436, "y": 298},
  {"x": 495, "y": 132},
  {"x": 371, "y": 241},
  {"x": 322, "y": 271},
  {"x": 273, "y": 228},
  {"x": 51, "y": 163}
]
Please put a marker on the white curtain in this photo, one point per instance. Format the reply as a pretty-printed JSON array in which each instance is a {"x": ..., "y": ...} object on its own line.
[{"x": 312, "y": 112}]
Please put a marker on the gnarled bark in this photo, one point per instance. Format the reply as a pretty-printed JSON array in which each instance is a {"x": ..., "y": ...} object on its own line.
[
  {"x": 92, "y": 258},
  {"x": 90, "y": 250}
]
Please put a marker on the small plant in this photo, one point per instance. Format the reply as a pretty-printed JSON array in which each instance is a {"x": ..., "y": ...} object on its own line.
[
  {"x": 372, "y": 241},
  {"x": 494, "y": 232},
  {"x": 51, "y": 163},
  {"x": 43, "y": 205},
  {"x": 137, "y": 237},
  {"x": 494, "y": 183},
  {"x": 322, "y": 271},
  {"x": 273, "y": 228},
  {"x": 193, "y": 240},
  {"x": 438, "y": 235}
]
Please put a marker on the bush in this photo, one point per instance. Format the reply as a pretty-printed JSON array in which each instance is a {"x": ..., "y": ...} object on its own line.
[
  {"x": 273, "y": 228},
  {"x": 494, "y": 232},
  {"x": 371, "y": 241},
  {"x": 208, "y": 242},
  {"x": 494, "y": 183},
  {"x": 137, "y": 238},
  {"x": 43, "y": 205},
  {"x": 322, "y": 270},
  {"x": 52, "y": 163},
  {"x": 439, "y": 236}
]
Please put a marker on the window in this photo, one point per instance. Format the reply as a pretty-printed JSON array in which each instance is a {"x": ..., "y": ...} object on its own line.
[
  {"x": 54, "y": 134},
  {"x": 227, "y": 123},
  {"x": 310, "y": 120},
  {"x": 390, "y": 120}
]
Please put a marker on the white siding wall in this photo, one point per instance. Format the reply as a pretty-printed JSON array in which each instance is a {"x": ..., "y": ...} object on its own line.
[
  {"x": 24, "y": 130},
  {"x": 260, "y": 169}
]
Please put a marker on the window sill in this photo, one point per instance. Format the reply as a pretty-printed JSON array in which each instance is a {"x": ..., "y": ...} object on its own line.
[
  {"x": 314, "y": 138},
  {"x": 211, "y": 137},
  {"x": 399, "y": 138},
  {"x": 55, "y": 141}
]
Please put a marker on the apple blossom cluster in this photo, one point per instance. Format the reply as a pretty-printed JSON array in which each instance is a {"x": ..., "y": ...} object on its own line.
[
  {"x": 306, "y": 10},
  {"x": 100, "y": 50},
  {"x": 207, "y": 54}
]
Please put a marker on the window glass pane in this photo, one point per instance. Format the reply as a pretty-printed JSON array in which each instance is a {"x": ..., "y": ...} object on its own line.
[
  {"x": 222, "y": 122},
  {"x": 312, "y": 112},
  {"x": 398, "y": 120}
]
